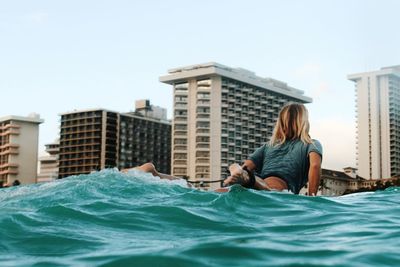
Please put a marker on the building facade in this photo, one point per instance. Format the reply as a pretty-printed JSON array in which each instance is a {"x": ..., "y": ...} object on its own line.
[
  {"x": 88, "y": 141},
  {"x": 378, "y": 122},
  {"x": 19, "y": 140},
  {"x": 49, "y": 163},
  {"x": 221, "y": 115},
  {"x": 92, "y": 140}
]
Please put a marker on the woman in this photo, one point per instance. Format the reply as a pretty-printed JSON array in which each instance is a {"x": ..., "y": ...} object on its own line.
[{"x": 288, "y": 161}]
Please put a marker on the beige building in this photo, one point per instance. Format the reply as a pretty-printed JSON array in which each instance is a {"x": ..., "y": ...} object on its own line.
[
  {"x": 378, "y": 122},
  {"x": 49, "y": 163},
  {"x": 221, "y": 115},
  {"x": 19, "y": 138}
]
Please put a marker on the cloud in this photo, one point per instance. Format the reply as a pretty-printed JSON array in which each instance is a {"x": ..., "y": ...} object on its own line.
[{"x": 338, "y": 141}]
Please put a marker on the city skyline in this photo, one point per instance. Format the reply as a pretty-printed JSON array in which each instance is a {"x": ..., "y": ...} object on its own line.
[{"x": 62, "y": 56}]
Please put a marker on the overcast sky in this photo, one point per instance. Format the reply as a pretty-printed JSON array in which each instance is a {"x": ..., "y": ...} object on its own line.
[{"x": 57, "y": 56}]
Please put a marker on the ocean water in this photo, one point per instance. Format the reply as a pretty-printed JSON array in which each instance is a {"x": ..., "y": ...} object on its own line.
[{"x": 113, "y": 219}]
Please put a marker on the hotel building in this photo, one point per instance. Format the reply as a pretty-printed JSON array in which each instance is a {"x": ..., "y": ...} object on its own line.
[
  {"x": 49, "y": 163},
  {"x": 221, "y": 115},
  {"x": 91, "y": 140},
  {"x": 378, "y": 122},
  {"x": 19, "y": 139}
]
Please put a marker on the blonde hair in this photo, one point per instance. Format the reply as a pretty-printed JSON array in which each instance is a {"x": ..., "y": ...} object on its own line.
[{"x": 292, "y": 124}]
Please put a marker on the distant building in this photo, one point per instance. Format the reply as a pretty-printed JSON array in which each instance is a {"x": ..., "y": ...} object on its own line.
[
  {"x": 221, "y": 115},
  {"x": 19, "y": 138},
  {"x": 378, "y": 122},
  {"x": 92, "y": 140},
  {"x": 336, "y": 183},
  {"x": 49, "y": 163}
]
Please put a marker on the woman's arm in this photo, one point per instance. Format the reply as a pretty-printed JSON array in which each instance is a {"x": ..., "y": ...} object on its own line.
[{"x": 314, "y": 173}]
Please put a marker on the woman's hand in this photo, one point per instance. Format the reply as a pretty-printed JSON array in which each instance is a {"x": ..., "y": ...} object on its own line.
[{"x": 238, "y": 176}]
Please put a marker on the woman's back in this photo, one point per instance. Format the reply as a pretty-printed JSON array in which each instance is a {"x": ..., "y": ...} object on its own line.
[{"x": 288, "y": 161}]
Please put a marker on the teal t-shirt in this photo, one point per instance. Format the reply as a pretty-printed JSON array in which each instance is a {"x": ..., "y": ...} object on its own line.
[{"x": 288, "y": 161}]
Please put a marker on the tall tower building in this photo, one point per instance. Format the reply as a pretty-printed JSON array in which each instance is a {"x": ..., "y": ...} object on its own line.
[
  {"x": 91, "y": 140},
  {"x": 19, "y": 140},
  {"x": 378, "y": 122},
  {"x": 221, "y": 115}
]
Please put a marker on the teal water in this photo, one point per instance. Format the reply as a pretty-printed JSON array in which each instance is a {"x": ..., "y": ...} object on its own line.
[{"x": 113, "y": 219}]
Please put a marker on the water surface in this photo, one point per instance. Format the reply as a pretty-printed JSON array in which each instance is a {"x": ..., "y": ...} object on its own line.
[{"x": 113, "y": 219}]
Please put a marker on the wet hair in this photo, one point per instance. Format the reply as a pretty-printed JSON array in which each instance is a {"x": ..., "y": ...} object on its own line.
[{"x": 292, "y": 124}]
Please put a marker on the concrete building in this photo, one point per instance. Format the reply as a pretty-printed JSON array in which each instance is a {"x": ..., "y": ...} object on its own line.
[
  {"x": 49, "y": 163},
  {"x": 378, "y": 122},
  {"x": 221, "y": 115},
  {"x": 92, "y": 140},
  {"x": 19, "y": 138}
]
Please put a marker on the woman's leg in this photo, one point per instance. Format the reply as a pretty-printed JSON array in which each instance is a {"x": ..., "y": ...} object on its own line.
[{"x": 149, "y": 167}]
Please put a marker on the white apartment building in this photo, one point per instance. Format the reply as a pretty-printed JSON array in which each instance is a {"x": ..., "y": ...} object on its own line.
[
  {"x": 378, "y": 122},
  {"x": 19, "y": 139},
  {"x": 221, "y": 115},
  {"x": 49, "y": 163}
]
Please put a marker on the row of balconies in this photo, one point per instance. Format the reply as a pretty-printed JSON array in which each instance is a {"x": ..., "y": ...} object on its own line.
[
  {"x": 64, "y": 172},
  {"x": 80, "y": 148},
  {"x": 77, "y": 131},
  {"x": 10, "y": 132},
  {"x": 8, "y": 171},
  {"x": 180, "y": 162},
  {"x": 80, "y": 142},
  {"x": 9, "y": 145},
  {"x": 181, "y": 86},
  {"x": 80, "y": 123},
  {"x": 9, "y": 151},
  {"x": 181, "y": 156},
  {"x": 71, "y": 137},
  {"x": 7, "y": 125},
  {"x": 206, "y": 83},
  {"x": 79, "y": 155},
  {"x": 80, "y": 161}
]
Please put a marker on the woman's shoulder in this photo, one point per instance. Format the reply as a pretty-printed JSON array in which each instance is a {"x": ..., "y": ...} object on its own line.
[
  {"x": 316, "y": 142},
  {"x": 315, "y": 146}
]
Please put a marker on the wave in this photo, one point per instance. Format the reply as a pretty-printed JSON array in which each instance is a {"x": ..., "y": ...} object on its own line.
[{"x": 109, "y": 218}]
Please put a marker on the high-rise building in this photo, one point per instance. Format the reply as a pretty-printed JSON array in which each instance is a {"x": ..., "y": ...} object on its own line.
[
  {"x": 221, "y": 115},
  {"x": 92, "y": 140},
  {"x": 19, "y": 139},
  {"x": 49, "y": 163},
  {"x": 378, "y": 122},
  {"x": 88, "y": 141}
]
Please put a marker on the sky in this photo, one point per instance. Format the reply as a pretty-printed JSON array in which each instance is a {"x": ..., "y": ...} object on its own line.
[{"x": 57, "y": 56}]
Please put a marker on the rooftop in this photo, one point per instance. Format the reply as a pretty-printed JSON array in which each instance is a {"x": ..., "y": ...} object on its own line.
[
  {"x": 181, "y": 74},
  {"x": 390, "y": 70},
  {"x": 33, "y": 118}
]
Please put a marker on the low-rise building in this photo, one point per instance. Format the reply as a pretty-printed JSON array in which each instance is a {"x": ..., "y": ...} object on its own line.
[{"x": 49, "y": 163}]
